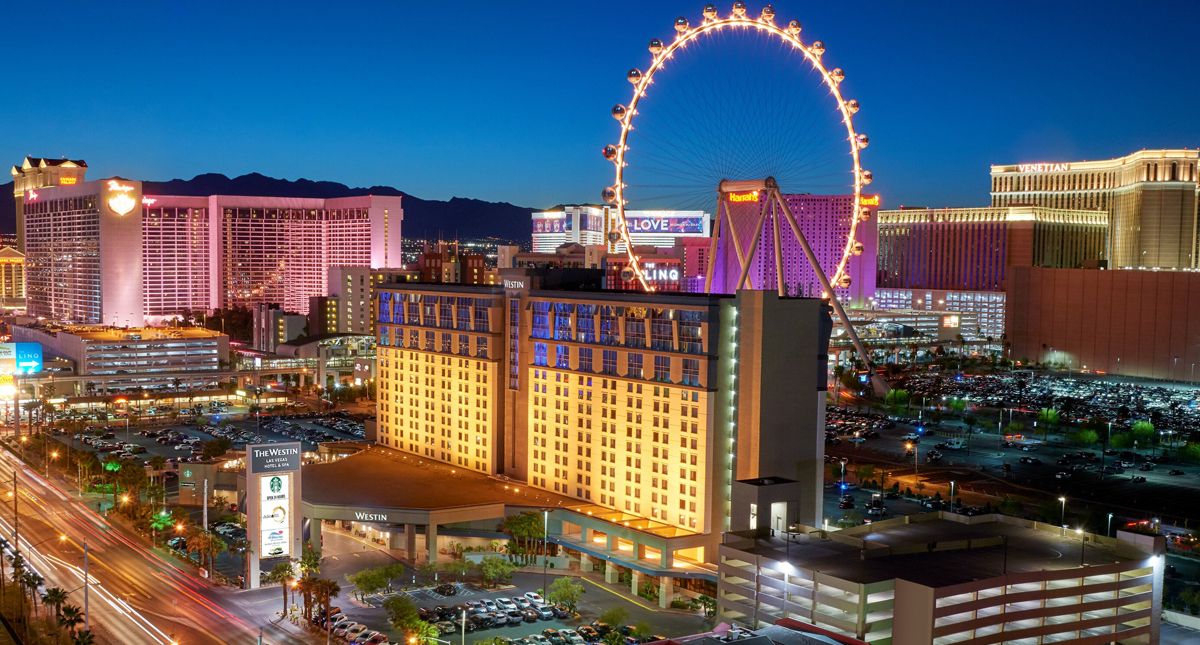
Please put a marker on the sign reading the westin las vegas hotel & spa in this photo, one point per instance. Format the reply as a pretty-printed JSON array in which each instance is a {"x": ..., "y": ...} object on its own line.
[{"x": 273, "y": 502}]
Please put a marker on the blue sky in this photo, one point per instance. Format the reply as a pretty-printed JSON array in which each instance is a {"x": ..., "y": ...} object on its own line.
[{"x": 509, "y": 100}]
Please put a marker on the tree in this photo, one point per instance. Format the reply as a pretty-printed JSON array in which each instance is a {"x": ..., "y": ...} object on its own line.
[
  {"x": 304, "y": 585},
  {"x": 708, "y": 604},
  {"x": 1010, "y": 506},
  {"x": 615, "y": 616},
  {"x": 1142, "y": 431},
  {"x": 864, "y": 472},
  {"x": 526, "y": 530},
  {"x": 70, "y": 617},
  {"x": 615, "y": 637},
  {"x": 565, "y": 591},
  {"x": 1191, "y": 452},
  {"x": 31, "y": 581},
  {"x": 1085, "y": 437},
  {"x": 496, "y": 570},
  {"x": 368, "y": 581},
  {"x": 216, "y": 448},
  {"x": 84, "y": 637},
  {"x": 310, "y": 560},
  {"x": 402, "y": 612},
  {"x": 324, "y": 591},
  {"x": 54, "y": 598},
  {"x": 1049, "y": 419},
  {"x": 283, "y": 574}
]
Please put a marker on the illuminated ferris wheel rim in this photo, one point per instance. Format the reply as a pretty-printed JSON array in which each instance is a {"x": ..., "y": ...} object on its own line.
[{"x": 662, "y": 52}]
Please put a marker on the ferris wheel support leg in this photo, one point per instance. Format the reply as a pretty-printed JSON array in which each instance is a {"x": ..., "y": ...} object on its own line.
[
  {"x": 737, "y": 244},
  {"x": 878, "y": 385},
  {"x": 778, "y": 251},
  {"x": 745, "y": 276},
  {"x": 712, "y": 251}
]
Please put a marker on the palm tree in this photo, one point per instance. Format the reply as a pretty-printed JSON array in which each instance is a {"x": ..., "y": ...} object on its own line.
[
  {"x": 282, "y": 573},
  {"x": 54, "y": 597},
  {"x": 325, "y": 591},
  {"x": 158, "y": 463},
  {"x": 32, "y": 581},
  {"x": 198, "y": 545},
  {"x": 305, "y": 586},
  {"x": 84, "y": 637},
  {"x": 216, "y": 546},
  {"x": 69, "y": 617}
]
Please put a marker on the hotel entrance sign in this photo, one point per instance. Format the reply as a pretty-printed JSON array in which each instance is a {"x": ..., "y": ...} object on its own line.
[{"x": 273, "y": 503}]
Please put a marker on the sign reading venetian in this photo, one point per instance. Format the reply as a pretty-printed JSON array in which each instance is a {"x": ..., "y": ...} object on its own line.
[{"x": 1043, "y": 167}]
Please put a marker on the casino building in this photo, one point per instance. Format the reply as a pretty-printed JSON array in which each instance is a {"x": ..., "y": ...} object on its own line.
[
  {"x": 584, "y": 224},
  {"x": 633, "y": 415},
  {"x": 1150, "y": 195}
]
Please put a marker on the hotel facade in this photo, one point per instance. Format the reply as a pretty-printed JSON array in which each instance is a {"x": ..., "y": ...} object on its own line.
[
  {"x": 958, "y": 259},
  {"x": 642, "y": 408},
  {"x": 1150, "y": 196},
  {"x": 586, "y": 225},
  {"x": 103, "y": 252}
]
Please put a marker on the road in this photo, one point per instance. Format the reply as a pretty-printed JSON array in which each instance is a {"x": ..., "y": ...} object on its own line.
[{"x": 136, "y": 595}]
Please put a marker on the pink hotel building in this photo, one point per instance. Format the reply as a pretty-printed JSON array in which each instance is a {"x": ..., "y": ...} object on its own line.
[{"x": 102, "y": 252}]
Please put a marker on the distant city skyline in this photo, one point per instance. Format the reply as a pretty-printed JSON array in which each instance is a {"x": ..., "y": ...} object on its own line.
[{"x": 432, "y": 102}]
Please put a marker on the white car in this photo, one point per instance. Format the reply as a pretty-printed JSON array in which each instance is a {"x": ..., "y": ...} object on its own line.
[
  {"x": 506, "y": 604},
  {"x": 490, "y": 604},
  {"x": 535, "y": 598},
  {"x": 912, "y": 436},
  {"x": 353, "y": 631}
]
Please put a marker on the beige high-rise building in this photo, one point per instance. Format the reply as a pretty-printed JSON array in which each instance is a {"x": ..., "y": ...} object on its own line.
[
  {"x": 1151, "y": 197},
  {"x": 39, "y": 172},
  {"x": 12, "y": 278}
]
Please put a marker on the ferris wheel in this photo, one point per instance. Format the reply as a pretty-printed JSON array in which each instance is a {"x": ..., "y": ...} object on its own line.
[{"x": 617, "y": 195}]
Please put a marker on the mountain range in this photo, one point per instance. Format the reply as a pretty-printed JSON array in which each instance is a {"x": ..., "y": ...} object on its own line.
[{"x": 459, "y": 217}]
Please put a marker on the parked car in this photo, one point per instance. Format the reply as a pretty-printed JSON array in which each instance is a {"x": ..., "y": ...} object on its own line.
[{"x": 535, "y": 598}]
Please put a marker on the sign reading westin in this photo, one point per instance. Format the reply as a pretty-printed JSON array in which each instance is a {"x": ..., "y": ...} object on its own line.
[{"x": 275, "y": 458}]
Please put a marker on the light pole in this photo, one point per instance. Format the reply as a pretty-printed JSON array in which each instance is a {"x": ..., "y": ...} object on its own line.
[
  {"x": 843, "y": 462},
  {"x": 545, "y": 551},
  {"x": 1108, "y": 531},
  {"x": 1063, "y": 515},
  {"x": 1082, "y": 543},
  {"x": 951, "y": 495}
]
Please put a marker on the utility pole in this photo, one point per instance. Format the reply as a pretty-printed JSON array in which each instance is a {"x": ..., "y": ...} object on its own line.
[
  {"x": 205, "y": 503},
  {"x": 86, "y": 580}
]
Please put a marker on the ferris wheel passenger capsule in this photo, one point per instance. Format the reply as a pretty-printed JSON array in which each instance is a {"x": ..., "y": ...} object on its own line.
[
  {"x": 857, "y": 249},
  {"x": 656, "y": 46},
  {"x": 614, "y": 237},
  {"x": 627, "y": 274},
  {"x": 681, "y": 24},
  {"x": 710, "y": 12},
  {"x": 862, "y": 141},
  {"x": 634, "y": 76},
  {"x": 864, "y": 215},
  {"x": 867, "y": 176},
  {"x": 609, "y": 194},
  {"x": 619, "y": 111},
  {"x": 817, "y": 48},
  {"x": 843, "y": 281},
  {"x": 767, "y": 14},
  {"x": 609, "y": 152},
  {"x": 852, "y": 106},
  {"x": 793, "y": 28},
  {"x": 838, "y": 75},
  {"x": 739, "y": 9}
]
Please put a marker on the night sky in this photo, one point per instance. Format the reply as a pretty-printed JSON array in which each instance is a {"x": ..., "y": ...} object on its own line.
[{"x": 510, "y": 100}]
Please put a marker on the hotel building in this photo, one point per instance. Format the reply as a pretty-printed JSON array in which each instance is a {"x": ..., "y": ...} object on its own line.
[
  {"x": 1150, "y": 196},
  {"x": 12, "y": 278},
  {"x": 663, "y": 267},
  {"x": 825, "y": 222},
  {"x": 957, "y": 259},
  {"x": 86, "y": 263},
  {"x": 943, "y": 578},
  {"x": 349, "y": 306},
  {"x": 642, "y": 408},
  {"x": 584, "y": 224},
  {"x": 83, "y": 252}
]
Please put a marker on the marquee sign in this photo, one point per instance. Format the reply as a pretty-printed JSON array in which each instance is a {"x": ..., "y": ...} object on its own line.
[{"x": 273, "y": 502}]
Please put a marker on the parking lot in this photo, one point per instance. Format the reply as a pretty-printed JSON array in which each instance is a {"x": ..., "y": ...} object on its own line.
[{"x": 182, "y": 443}]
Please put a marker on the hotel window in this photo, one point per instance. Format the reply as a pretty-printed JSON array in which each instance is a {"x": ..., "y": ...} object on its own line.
[
  {"x": 541, "y": 320},
  {"x": 662, "y": 369},
  {"x": 635, "y": 332},
  {"x": 690, "y": 339},
  {"x": 428, "y": 304},
  {"x": 562, "y": 320},
  {"x": 585, "y": 323},
  {"x": 385, "y": 307},
  {"x": 608, "y": 326},
  {"x": 514, "y": 337},
  {"x": 540, "y": 354},
  {"x": 585, "y": 359},
  {"x": 661, "y": 336},
  {"x": 609, "y": 359},
  {"x": 481, "y": 314},
  {"x": 481, "y": 347},
  {"x": 464, "y": 344},
  {"x": 691, "y": 371},
  {"x": 562, "y": 356},
  {"x": 429, "y": 340},
  {"x": 385, "y": 336},
  {"x": 462, "y": 314},
  {"x": 634, "y": 365},
  {"x": 446, "y": 343}
]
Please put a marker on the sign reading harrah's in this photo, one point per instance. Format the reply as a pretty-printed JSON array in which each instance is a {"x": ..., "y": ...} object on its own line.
[{"x": 275, "y": 458}]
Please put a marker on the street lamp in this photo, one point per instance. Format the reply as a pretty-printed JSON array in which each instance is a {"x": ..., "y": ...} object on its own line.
[
  {"x": 951, "y": 495},
  {"x": 1108, "y": 532},
  {"x": 1082, "y": 543},
  {"x": 843, "y": 462},
  {"x": 1063, "y": 516},
  {"x": 545, "y": 551}
]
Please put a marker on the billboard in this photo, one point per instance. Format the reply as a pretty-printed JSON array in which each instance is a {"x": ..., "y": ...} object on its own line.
[
  {"x": 284, "y": 457},
  {"x": 275, "y": 509},
  {"x": 668, "y": 222},
  {"x": 20, "y": 358},
  {"x": 549, "y": 222}
]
